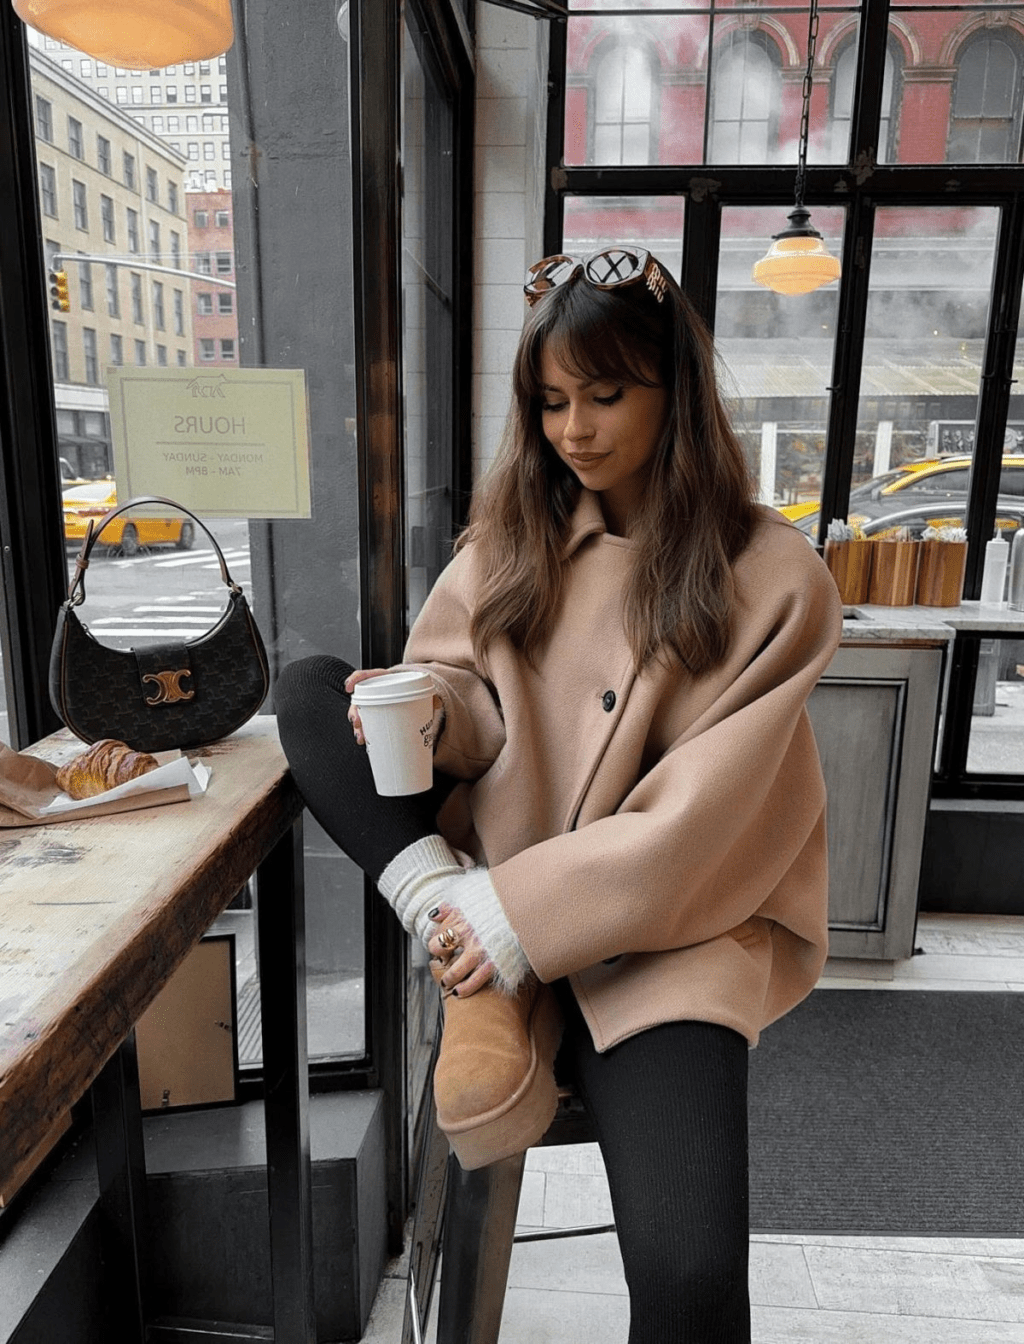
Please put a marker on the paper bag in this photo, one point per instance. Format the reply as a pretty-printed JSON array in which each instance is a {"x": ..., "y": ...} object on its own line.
[{"x": 29, "y": 795}]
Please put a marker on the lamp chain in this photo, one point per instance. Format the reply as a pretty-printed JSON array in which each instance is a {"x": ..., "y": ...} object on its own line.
[{"x": 805, "y": 113}]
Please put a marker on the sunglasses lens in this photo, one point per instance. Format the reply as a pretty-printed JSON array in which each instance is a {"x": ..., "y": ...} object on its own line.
[
  {"x": 546, "y": 274},
  {"x": 615, "y": 266}
]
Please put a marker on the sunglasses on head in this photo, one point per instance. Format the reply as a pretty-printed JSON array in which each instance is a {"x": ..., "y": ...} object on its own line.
[{"x": 610, "y": 268}]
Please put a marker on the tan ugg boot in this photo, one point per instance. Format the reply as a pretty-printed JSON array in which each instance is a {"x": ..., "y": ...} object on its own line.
[{"x": 494, "y": 1084}]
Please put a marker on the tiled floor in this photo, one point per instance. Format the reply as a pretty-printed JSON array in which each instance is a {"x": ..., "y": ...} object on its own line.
[{"x": 804, "y": 1289}]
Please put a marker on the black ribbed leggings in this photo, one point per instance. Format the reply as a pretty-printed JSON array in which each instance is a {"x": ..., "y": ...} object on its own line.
[{"x": 669, "y": 1105}]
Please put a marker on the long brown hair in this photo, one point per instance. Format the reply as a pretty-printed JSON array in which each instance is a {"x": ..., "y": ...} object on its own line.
[{"x": 698, "y": 511}]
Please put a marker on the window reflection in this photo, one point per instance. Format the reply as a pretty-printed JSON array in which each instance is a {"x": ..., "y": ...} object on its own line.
[
  {"x": 985, "y": 117},
  {"x": 745, "y": 99}
]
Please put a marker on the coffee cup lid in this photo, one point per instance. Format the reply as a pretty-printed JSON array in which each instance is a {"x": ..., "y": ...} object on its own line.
[{"x": 392, "y": 686}]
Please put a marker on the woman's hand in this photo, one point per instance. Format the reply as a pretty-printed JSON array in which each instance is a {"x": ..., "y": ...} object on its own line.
[
  {"x": 468, "y": 968},
  {"x": 353, "y": 713}
]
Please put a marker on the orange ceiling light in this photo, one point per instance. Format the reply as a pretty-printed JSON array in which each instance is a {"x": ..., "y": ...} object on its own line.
[
  {"x": 798, "y": 261},
  {"x": 135, "y": 34}
]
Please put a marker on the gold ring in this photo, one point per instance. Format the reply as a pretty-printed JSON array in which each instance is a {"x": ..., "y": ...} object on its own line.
[{"x": 449, "y": 939}]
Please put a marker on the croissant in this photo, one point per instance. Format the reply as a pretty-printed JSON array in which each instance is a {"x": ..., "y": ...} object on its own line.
[{"x": 106, "y": 764}]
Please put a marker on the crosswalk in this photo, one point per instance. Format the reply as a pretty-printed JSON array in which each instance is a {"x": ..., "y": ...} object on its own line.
[{"x": 184, "y": 616}]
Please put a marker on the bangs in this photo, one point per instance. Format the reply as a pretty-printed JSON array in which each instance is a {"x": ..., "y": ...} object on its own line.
[{"x": 596, "y": 335}]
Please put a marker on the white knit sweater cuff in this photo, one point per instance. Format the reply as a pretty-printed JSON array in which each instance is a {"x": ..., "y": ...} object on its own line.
[
  {"x": 475, "y": 896},
  {"x": 414, "y": 882}
]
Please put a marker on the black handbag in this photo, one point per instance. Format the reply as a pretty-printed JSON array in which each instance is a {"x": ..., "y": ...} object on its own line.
[{"x": 183, "y": 693}]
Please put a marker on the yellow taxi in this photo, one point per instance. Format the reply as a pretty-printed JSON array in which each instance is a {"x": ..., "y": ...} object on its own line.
[
  {"x": 128, "y": 534},
  {"x": 932, "y": 486}
]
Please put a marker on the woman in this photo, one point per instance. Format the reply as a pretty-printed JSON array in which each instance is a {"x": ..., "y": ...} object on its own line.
[{"x": 622, "y": 649}]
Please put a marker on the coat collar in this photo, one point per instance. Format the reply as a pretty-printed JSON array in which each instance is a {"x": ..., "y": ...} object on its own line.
[{"x": 587, "y": 521}]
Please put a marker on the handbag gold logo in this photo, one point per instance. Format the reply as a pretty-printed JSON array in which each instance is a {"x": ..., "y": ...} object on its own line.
[{"x": 169, "y": 687}]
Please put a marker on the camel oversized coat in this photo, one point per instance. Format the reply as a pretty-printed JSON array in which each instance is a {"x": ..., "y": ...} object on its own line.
[{"x": 659, "y": 839}]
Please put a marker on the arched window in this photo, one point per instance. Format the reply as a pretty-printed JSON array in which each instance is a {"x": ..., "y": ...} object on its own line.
[
  {"x": 843, "y": 76},
  {"x": 985, "y": 114},
  {"x": 745, "y": 95},
  {"x": 623, "y": 101}
]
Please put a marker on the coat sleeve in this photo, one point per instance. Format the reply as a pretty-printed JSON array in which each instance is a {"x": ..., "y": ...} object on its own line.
[
  {"x": 473, "y": 730},
  {"x": 718, "y": 830}
]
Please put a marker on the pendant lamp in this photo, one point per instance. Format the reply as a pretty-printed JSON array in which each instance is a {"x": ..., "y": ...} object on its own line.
[
  {"x": 798, "y": 261},
  {"x": 135, "y": 34}
]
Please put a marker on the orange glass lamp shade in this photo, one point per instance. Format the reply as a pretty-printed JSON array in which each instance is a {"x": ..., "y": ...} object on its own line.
[
  {"x": 797, "y": 261},
  {"x": 135, "y": 34}
]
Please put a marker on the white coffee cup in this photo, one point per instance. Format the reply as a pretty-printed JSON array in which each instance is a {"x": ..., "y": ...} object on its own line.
[{"x": 397, "y": 713}]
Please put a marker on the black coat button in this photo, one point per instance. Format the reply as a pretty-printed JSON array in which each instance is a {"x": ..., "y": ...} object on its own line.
[{"x": 608, "y": 700}]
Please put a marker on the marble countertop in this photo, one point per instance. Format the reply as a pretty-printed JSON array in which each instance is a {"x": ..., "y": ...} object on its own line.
[{"x": 911, "y": 625}]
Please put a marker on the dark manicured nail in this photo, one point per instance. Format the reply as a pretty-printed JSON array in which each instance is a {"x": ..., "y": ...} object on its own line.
[{"x": 433, "y": 914}]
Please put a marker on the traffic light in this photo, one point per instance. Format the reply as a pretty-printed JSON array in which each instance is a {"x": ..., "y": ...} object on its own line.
[{"x": 60, "y": 299}]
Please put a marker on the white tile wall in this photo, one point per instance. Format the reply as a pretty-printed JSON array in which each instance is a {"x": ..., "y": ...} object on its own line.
[{"x": 511, "y": 54}]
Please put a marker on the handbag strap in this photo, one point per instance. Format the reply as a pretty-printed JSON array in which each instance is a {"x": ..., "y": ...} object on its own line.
[{"x": 76, "y": 589}]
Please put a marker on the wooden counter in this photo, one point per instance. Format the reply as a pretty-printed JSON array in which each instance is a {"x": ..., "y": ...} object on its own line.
[{"x": 97, "y": 914}]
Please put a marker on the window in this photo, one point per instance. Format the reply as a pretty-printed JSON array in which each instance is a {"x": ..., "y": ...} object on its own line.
[
  {"x": 745, "y": 100},
  {"x": 189, "y": 67},
  {"x": 48, "y": 189},
  {"x": 155, "y": 95},
  {"x": 176, "y": 250},
  {"x": 193, "y": 150},
  {"x": 171, "y": 94},
  {"x": 81, "y": 209},
  {"x": 152, "y": 186},
  {"x": 140, "y": 354},
  {"x": 161, "y": 356},
  {"x": 61, "y": 370},
  {"x": 158, "y": 306},
  {"x": 225, "y": 304},
  {"x": 85, "y": 69},
  {"x": 222, "y": 93},
  {"x": 201, "y": 218},
  {"x": 623, "y": 96},
  {"x": 843, "y": 76},
  {"x": 172, "y": 196},
  {"x": 133, "y": 229},
  {"x": 205, "y": 93},
  {"x": 173, "y": 124},
  {"x": 76, "y": 145},
  {"x": 107, "y": 216},
  {"x": 191, "y": 123},
  {"x": 121, "y": 94},
  {"x": 204, "y": 67},
  {"x": 190, "y": 93},
  {"x": 44, "y": 119},
  {"x": 154, "y": 239},
  {"x": 204, "y": 305},
  {"x": 223, "y": 263},
  {"x": 158, "y": 125},
  {"x": 223, "y": 219},
  {"x": 182, "y": 360},
  {"x": 101, "y": 70},
  {"x": 136, "y": 281},
  {"x": 227, "y": 179},
  {"x": 203, "y": 263},
  {"x": 116, "y": 349},
  {"x": 222, "y": 65},
  {"x": 113, "y": 295},
  {"x": 985, "y": 117},
  {"x": 209, "y": 150},
  {"x": 85, "y": 285},
  {"x": 128, "y": 165},
  {"x": 227, "y": 348},
  {"x": 103, "y": 155},
  {"x": 207, "y": 348},
  {"x": 225, "y": 149},
  {"x": 137, "y": 94},
  {"x": 208, "y": 120},
  {"x": 68, "y": 65},
  {"x": 179, "y": 313},
  {"x": 92, "y": 363},
  {"x": 104, "y": 92}
]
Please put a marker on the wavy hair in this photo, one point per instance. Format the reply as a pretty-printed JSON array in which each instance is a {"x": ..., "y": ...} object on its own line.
[{"x": 698, "y": 501}]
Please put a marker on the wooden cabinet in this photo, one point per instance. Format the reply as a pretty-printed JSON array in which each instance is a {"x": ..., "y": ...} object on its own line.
[{"x": 875, "y": 713}]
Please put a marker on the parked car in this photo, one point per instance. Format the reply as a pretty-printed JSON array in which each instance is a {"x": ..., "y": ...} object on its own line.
[
  {"x": 128, "y": 534},
  {"x": 933, "y": 490}
]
